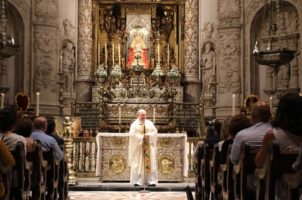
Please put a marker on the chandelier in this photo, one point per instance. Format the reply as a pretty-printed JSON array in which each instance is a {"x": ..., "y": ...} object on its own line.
[
  {"x": 8, "y": 47},
  {"x": 274, "y": 55}
]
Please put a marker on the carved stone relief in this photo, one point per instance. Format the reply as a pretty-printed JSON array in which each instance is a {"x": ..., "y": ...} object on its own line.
[
  {"x": 229, "y": 12},
  {"x": 68, "y": 29},
  {"x": 45, "y": 57},
  {"x": 68, "y": 65},
  {"x": 46, "y": 11},
  {"x": 208, "y": 31},
  {"x": 229, "y": 61}
]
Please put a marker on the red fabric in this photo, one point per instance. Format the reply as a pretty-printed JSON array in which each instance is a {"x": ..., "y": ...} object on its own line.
[
  {"x": 130, "y": 58},
  {"x": 145, "y": 58}
]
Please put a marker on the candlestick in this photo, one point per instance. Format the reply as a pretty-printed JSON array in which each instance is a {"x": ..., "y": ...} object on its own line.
[
  {"x": 168, "y": 56},
  {"x": 119, "y": 54},
  {"x": 37, "y": 103},
  {"x": 154, "y": 113},
  {"x": 112, "y": 53},
  {"x": 119, "y": 114},
  {"x": 233, "y": 104},
  {"x": 271, "y": 103},
  {"x": 105, "y": 53},
  {"x": 2, "y": 100},
  {"x": 158, "y": 50}
]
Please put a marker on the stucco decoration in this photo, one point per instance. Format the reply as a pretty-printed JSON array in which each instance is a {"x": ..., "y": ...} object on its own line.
[
  {"x": 208, "y": 31},
  {"x": 85, "y": 37},
  {"x": 68, "y": 29}
]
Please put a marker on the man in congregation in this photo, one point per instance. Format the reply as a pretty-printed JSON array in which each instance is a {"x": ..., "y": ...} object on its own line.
[
  {"x": 260, "y": 116},
  {"x": 40, "y": 127},
  {"x": 142, "y": 151}
]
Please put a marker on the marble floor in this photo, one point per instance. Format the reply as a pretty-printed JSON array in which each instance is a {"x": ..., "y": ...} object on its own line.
[{"x": 123, "y": 195}]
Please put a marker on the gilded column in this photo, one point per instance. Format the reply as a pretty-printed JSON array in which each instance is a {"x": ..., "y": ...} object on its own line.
[
  {"x": 192, "y": 82},
  {"x": 84, "y": 77}
]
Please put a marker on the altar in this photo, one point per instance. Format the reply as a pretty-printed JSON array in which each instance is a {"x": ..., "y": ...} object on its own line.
[{"x": 112, "y": 157}]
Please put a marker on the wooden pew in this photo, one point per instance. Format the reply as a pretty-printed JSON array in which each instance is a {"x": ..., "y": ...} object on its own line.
[
  {"x": 38, "y": 177},
  {"x": 226, "y": 169},
  {"x": 205, "y": 171},
  {"x": 21, "y": 174},
  {"x": 246, "y": 166},
  {"x": 214, "y": 170},
  {"x": 63, "y": 177},
  {"x": 52, "y": 174},
  {"x": 197, "y": 169},
  {"x": 291, "y": 185},
  {"x": 276, "y": 164}
]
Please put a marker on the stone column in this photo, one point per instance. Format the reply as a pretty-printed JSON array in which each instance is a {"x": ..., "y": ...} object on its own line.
[
  {"x": 229, "y": 51},
  {"x": 191, "y": 80},
  {"x": 84, "y": 78}
]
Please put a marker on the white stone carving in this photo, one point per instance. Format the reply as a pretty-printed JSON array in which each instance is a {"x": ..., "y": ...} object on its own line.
[
  {"x": 68, "y": 29},
  {"x": 68, "y": 65},
  {"x": 208, "y": 62},
  {"x": 47, "y": 11}
]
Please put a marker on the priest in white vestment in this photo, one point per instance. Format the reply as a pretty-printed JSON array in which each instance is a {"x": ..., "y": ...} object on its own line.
[{"x": 142, "y": 151}]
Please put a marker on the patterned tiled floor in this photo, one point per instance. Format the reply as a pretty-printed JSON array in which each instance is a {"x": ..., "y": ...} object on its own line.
[{"x": 104, "y": 195}]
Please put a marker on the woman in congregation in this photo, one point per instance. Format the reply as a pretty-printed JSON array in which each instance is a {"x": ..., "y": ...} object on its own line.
[{"x": 287, "y": 127}]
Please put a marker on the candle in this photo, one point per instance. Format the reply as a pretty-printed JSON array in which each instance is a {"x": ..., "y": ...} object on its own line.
[
  {"x": 112, "y": 53},
  {"x": 105, "y": 53},
  {"x": 158, "y": 50},
  {"x": 37, "y": 103},
  {"x": 271, "y": 103},
  {"x": 168, "y": 56},
  {"x": 154, "y": 113},
  {"x": 233, "y": 104},
  {"x": 176, "y": 53},
  {"x": 2, "y": 100},
  {"x": 119, "y": 114},
  {"x": 119, "y": 54},
  {"x": 61, "y": 64},
  {"x": 98, "y": 53}
]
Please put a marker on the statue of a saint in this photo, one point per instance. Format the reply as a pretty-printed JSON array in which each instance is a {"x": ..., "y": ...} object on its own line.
[
  {"x": 208, "y": 61},
  {"x": 138, "y": 52}
]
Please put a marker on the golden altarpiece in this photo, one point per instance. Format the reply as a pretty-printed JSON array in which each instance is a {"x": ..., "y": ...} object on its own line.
[{"x": 138, "y": 64}]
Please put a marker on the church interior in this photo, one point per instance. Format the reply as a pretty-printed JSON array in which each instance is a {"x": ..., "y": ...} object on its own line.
[{"x": 90, "y": 65}]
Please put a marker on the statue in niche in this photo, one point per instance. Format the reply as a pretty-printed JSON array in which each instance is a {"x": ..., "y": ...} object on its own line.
[
  {"x": 208, "y": 30},
  {"x": 208, "y": 62},
  {"x": 68, "y": 28},
  {"x": 68, "y": 63},
  {"x": 138, "y": 52}
]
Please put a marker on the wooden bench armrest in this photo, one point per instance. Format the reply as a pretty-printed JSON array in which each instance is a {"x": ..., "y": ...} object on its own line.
[
  {"x": 260, "y": 173},
  {"x": 223, "y": 167},
  {"x": 236, "y": 168}
]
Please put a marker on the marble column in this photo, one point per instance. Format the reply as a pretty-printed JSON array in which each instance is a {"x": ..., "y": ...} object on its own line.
[
  {"x": 191, "y": 80},
  {"x": 84, "y": 77}
]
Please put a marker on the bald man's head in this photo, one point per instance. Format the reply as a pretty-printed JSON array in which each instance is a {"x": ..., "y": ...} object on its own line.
[
  {"x": 40, "y": 123},
  {"x": 260, "y": 112}
]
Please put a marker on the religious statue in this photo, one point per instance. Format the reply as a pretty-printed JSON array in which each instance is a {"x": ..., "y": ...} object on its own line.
[
  {"x": 208, "y": 61},
  {"x": 138, "y": 52},
  {"x": 68, "y": 63}
]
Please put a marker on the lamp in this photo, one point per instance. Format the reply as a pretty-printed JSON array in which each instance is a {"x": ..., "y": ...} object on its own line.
[
  {"x": 272, "y": 56},
  {"x": 8, "y": 47}
]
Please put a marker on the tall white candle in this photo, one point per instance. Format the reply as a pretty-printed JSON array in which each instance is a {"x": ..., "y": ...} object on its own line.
[
  {"x": 176, "y": 53},
  {"x": 2, "y": 100},
  {"x": 119, "y": 54},
  {"x": 271, "y": 103},
  {"x": 37, "y": 103},
  {"x": 154, "y": 114},
  {"x": 61, "y": 64},
  {"x": 233, "y": 104},
  {"x": 105, "y": 53},
  {"x": 158, "y": 51},
  {"x": 112, "y": 53},
  {"x": 119, "y": 114},
  {"x": 168, "y": 56},
  {"x": 98, "y": 53}
]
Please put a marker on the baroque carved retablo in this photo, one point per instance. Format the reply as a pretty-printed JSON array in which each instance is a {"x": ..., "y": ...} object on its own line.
[
  {"x": 117, "y": 164},
  {"x": 166, "y": 165}
]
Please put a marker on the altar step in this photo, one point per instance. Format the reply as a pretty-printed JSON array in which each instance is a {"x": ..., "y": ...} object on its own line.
[{"x": 93, "y": 184}]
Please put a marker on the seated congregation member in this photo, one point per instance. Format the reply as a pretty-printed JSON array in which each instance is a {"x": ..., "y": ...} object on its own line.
[
  {"x": 8, "y": 121},
  {"x": 224, "y": 131},
  {"x": 260, "y": 116},
  {"x": 40, "y": 126},
  {"x": 237, "y": 123},
  {"x": 51, "y": 131},
  {"x": 24, "y": 127},
  {"x": 287, "y": 127}
]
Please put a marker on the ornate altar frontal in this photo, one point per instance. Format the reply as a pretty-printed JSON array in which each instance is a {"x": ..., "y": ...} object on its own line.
[{"x": 112, "y": 157}]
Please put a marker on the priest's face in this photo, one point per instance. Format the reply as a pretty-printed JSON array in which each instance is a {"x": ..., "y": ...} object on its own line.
[{"x": 142, "y": 116}]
